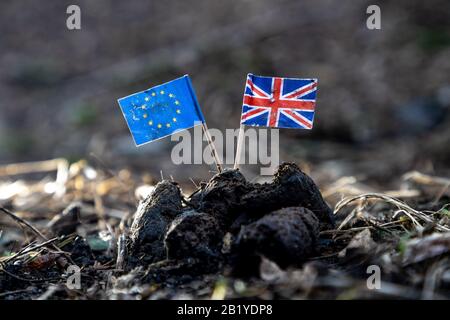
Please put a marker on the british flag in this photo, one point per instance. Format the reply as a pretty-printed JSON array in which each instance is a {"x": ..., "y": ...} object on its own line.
[{"x": 279, "y": 102}]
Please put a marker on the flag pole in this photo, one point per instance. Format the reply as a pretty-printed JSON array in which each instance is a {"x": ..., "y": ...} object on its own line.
[
  {"x": 204, "y": 126},
  {"x": 239, "y": 147},
  {"x": 212, "y": 147}
]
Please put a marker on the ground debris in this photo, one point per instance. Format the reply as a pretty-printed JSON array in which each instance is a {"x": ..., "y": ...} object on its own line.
[
  {"x": 431, "y": 246},
  {"x": 362, "y": 246},
  {"x": 231, "y": 238},
  {"x": 65, "y": 223}
]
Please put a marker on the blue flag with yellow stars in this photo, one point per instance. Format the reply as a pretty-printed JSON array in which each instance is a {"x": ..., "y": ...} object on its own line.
[{"x": 161, "y": 111}]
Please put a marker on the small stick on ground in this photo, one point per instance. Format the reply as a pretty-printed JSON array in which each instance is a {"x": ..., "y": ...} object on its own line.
[
  {"x": 121, "y": 253},
  {"x": 32, "y": 228},
  {"x": 28, "y": 249},
  {"x": 31, "y": 167},
  {"x": 28, "y": 280},
  {"x": 21, "y": 221}
]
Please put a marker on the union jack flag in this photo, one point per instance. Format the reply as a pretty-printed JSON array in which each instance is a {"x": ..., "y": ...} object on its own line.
[{"x": 279, "y": 102}]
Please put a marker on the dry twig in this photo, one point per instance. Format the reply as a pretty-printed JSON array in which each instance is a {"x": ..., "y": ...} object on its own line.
[{"x": 413, "y": 214}]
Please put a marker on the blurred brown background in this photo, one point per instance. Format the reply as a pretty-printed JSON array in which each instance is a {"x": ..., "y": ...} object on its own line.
[{"x": 383, "y": 100}]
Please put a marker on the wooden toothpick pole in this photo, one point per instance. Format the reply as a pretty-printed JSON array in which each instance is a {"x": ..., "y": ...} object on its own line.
[
  {"x": 204, "y": 126},
  {"x": 212, "y": 146},
  {"x": 239, "y": 147}
]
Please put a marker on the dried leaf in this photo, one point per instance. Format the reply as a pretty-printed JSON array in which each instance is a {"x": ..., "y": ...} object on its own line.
[
  {"x": 361, "y": 244},
  {"x": 421, "y": 249},
  {"x": 269, "y": 271}
]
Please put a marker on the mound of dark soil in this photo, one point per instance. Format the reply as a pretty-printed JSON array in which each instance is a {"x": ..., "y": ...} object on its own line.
[{"x": 279, "y": 220}]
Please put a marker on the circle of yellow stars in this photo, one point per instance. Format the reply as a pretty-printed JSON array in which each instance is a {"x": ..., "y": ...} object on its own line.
[{"x": 154, "y": 94}]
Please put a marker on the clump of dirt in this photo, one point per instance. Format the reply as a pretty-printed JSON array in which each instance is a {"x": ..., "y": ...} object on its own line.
[
  {"x": 151, "y": 222},
  {"x": 194, "y": 234},
  {"x": 279, "y": 220},
  {"x": 221, "y": 196},
  {"x": 286, "y": 236},
  {"x": 290, "y": 187},
  {"x": 80, "y": 252}
]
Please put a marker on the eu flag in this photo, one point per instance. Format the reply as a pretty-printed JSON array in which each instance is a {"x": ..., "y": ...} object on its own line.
[{"x": 161, "y": 111}]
